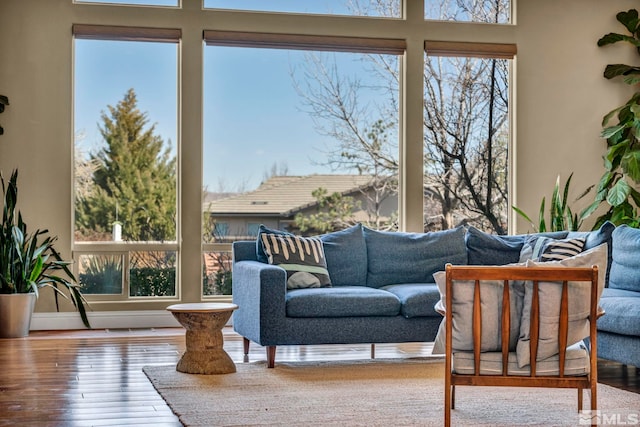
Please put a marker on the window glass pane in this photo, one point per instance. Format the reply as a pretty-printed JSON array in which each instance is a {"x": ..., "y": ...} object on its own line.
[
  {"x": 100, "y": 274},
  {"x": 152, "y": 274},
  {"x": 306, "y": 141},
  {"x": 253, "y": 229},
  {"x": 379, "y": 8},
  {"x": 487, "y": 11},
  {"x": 134, "y": 2},
  {"x": 216, "y": 274},
  {"x": 125, "y": 140},
  {"x": 466, "y": 141}
]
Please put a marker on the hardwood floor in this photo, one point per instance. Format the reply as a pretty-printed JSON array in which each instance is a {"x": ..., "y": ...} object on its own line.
[{"x": 94, "y": 378}]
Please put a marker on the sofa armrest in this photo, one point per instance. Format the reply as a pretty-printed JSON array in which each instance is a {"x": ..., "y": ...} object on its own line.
[{"x": 259, "y": 290}]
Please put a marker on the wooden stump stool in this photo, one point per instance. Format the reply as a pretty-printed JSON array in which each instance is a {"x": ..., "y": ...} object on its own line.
[{"x": 204, "y": 323}]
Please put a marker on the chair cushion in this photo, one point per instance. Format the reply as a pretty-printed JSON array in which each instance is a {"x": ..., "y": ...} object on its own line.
[
  {"x": 416, "y": 299},
  {"x": 396, "y": 257},
  {"x": 490, "y": 307},
  {"x": 346, "y": 253},
  {"x": 550, "y": 294},
  {"x": 342, "y": 301},
  {"x": 576, "y": 363}
]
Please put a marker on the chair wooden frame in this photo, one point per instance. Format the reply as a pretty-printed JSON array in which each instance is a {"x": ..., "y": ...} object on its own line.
[{"x": 506, "y": 275}]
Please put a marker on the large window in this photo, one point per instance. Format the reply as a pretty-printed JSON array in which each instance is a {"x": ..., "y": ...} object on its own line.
[
  {"x": 466, "y": 136},
  {"x": 173, "y": 3},
  {"x": 125, "y": 226},
  {"x": 305, "y": 142},
  {"x": 485, "y": 11},
  {"x": 305, "y": 116},
  {"x": 378, "y": 8}
]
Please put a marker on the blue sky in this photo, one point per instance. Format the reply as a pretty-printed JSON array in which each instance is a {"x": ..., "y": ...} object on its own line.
[
  {"x": 253, "y": 116},
  {"x": 305, "y": 6}
]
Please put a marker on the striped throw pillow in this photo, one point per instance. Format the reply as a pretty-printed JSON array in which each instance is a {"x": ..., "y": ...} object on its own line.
[
  {"x": 302, "y": 257},
  {"x": 557, "y": 250}
]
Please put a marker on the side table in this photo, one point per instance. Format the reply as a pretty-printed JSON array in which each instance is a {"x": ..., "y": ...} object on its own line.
[{"x": 204, "y": 323}]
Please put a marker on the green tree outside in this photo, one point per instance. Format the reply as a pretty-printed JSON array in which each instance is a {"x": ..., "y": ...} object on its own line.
[
  {"x": 335, "y": 211},
  {"x": 134, "y": 180}
]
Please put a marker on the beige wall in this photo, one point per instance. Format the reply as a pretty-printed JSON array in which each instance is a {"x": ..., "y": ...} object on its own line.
[
  {"x": 559, "y": 92},
  {"x": 562, "y": 96}
]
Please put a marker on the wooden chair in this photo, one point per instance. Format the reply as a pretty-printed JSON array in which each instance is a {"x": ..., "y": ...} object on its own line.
[{"x": 505, "y": 275}]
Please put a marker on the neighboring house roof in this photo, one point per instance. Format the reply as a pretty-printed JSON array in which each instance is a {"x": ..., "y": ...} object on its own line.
[{"x": 286, "y": 195}]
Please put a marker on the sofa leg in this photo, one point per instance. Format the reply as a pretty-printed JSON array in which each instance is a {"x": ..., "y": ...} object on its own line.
[
  {"x": 271, "y": 356},
  {"x": 373, "y": 351},
  {"x": 245, "y": 343}
]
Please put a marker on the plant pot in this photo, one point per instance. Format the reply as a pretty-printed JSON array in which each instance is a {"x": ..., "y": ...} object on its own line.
[{"x": 15, "y": 314}]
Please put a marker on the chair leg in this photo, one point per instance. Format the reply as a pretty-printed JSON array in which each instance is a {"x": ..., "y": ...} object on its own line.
[
  {"x": 453, "y": 397},
  {"x": 579, "y": 399},
  {"x": 447, "y": 406},
  {"x": 373, "y": 351},
  {"x": 245, "y": 343},
  {"x": 594, "y": 402},
  {"x": 271, "y": 356}
]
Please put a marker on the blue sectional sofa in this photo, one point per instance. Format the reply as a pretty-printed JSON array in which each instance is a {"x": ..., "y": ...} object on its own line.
[
  {"x": 382, "y": 288},
  {"x": 619, "y": 328}
]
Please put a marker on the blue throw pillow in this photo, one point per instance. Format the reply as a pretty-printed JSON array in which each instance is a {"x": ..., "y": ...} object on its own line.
[
  {"x": 597, "y": 237},
  {"x": 492, "y": 249},
  {"x": 346, "y": 253},
  {"x": 397, "y": 257},
  {"x": 625, "y": 269}
]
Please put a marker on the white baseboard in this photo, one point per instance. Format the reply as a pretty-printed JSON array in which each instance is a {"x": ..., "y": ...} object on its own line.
[{"x": 104, "y": 320}]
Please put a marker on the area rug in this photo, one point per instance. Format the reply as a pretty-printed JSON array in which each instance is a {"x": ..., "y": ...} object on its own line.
[{"x": 399, "y": 392}]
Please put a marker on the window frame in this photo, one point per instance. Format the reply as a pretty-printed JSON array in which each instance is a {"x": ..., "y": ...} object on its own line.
[{"x": 79, "y": 248}]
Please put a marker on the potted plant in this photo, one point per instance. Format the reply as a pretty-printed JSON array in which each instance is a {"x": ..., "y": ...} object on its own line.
[
  {"x": 617, "y": 188},
  {"x": 29, "y": 262}
]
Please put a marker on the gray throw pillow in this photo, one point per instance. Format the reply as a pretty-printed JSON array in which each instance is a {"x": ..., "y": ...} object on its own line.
[
  {"x": 491, "y": 308},
  {"x": 550, "y": 296}
]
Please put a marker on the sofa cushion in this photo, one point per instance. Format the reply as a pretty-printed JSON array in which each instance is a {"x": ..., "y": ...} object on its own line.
[
  {"x": 397, "y": 257},
  {"x": 550, "y": 294},
  {"x": 622, "y": 315},
  {"x": 302, "y": 257},
  {"x": 625, "y": 268},
  {"x": 343, "y": 301},
  {"x": 614, "y": 293},
  {"x": 416, "y": 299},
  {"x": 346, "y": 253},
  {"x": 491, "y": 249}
]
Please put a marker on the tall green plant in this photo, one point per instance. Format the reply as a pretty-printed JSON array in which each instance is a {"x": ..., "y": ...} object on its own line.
[
  {"x": 621, "y": 129},
  {"x": 561, "y": 217},
  {"x": 29, "y": 261}
]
